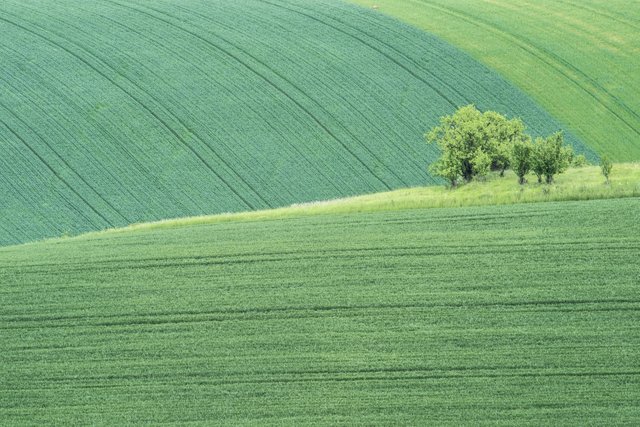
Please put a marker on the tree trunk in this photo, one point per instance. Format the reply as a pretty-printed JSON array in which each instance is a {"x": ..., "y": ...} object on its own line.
[
  {"x": 549, "y": 179},
  {"x": 467, "y": 171},
  {"x": 522, "y": 180}
]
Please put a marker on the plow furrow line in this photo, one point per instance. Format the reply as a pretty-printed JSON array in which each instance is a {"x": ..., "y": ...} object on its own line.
[
  {"x": 307, "y": 111},
  {"x": 163, "y": 122},
  {"x": 551, "y": 59}
]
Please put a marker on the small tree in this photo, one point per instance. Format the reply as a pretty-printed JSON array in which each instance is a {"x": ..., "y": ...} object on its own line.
[
  {"x": 537, "y": 166},
  {"x": 551, "y": 157},
  {"x": 522, "y": 159},
  {"x": 606, "y": 166}
]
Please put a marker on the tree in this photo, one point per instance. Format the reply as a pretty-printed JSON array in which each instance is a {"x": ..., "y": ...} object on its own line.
[
  {"x": 501, "y": 134},
  {"x": 459, "y": 137},
  {"x": 522, "y": 159},
  {"x": 536, "y": 165},
  {"x": 606, "y": 166},
  {"x": 472, "y": 143},
  {"x": 551, "y": 157}
]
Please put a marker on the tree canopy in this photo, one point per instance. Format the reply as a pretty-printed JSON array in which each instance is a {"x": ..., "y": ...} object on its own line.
[{"x": 473, "y": 143}]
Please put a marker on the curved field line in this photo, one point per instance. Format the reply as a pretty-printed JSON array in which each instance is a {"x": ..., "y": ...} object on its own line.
[
  {"x": 417, "y": 65},
  {"x": 553, "y": 61},
  {"x": 147, "y": 93},
  {"x": 62, "y": 159},
  {"x": 391, "y": 47},
  {"x": 254, "y": 71},
  {"x": 140, "y": 166},
  {"x": 57, "y": 175},
  {"x": 579, "y": 71},
  {"x": 370, "y": 120},
  {"x": 470, "y": 82},
  {"x": 263, "y": 77},
  {"x": 299, "y": 89},
  {"x": 149, "y": 110},
  {"x": 191, "y": 130},
  {"x": 343, "y": 253},
  {"x": 386, "y": 55},
  {"x": 616, "y": 18},
  {"x": 401, "y": 149},
  {"x": 394, "y": 60},
  {"x": 207, "y": 75}
]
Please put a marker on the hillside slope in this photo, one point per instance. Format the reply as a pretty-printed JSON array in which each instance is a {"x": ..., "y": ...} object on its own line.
[
  {"x": 578, "y": 59},
  {"x": 494, "y": 315},
  {"x": 116, "y": 112}
]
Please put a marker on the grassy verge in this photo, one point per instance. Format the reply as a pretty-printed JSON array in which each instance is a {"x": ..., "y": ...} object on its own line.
[{"x": 576, "y": 184}]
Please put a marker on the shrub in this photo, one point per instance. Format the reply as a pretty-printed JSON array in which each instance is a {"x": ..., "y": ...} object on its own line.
[{"x": 579, "y": 161}]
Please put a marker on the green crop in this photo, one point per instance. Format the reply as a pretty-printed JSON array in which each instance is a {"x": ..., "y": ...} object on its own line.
[
  {"x": 578, "y": 59},
  {"x": 115, "y": 112},
  {"x": 522, "y": 314}
]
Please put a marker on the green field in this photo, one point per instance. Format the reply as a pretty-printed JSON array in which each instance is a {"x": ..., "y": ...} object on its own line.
[
  {"x": 117, "y": 112},
  {"x": 578, "y": 58},
  {"x": 219, "y": 212},
  {"x": 522, "y": 314}
]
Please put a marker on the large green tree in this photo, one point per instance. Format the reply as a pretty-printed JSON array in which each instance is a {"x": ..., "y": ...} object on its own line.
[{"x": 472, "y": 143}]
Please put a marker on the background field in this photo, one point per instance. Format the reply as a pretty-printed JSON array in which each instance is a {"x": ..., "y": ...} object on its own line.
[
  {"x": 578, "y": 59},
  {"x": 116, "y": 112},
  {"x": 514, "y": 314}
]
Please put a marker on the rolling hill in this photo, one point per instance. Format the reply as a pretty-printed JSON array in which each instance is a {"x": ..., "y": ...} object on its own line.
[
  {"x": 484, "y": 315},
  {"x": 117, "y": 112},
  {"x": 578, "y": 59}
]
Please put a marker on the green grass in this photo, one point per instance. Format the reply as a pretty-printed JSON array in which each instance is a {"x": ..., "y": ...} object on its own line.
[
  {"x": 584, "y": 183},
  {"x": 498, "y": 315},
  {"x": 579, "y": 59},
  {"x": 115, "y": 112}
]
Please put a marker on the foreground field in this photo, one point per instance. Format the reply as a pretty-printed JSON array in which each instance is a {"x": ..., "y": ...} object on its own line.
[
  {"x": 578, "y": 59},
  {"x": 514, "y": 314},
  {"x": 119, "y": 112}
]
